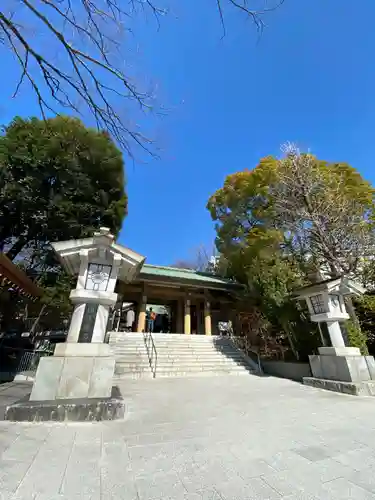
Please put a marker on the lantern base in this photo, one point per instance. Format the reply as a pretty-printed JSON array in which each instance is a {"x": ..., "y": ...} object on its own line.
[
  {"x": 73, "y": 376},
  {"x": 342, "y": 368},
  {"x": 67, "y": 410},
  {"x": 339, "y": 351},
  {"x": 351, "y": 388}
]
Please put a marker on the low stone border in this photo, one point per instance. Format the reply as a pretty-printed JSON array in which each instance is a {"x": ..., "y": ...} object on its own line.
[
  {"x": 352, "y": 388},
  {"x": 65, "y": 410}
]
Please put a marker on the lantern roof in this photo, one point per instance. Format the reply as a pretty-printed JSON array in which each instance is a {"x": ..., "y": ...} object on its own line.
[
  {"x": 100, "y": 247},
  {"x": 342, "y": 286}
]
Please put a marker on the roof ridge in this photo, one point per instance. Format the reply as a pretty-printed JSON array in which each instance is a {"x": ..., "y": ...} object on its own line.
[
  {"x": 171, "y": 267},
  {"x": 190, "y": 271}
]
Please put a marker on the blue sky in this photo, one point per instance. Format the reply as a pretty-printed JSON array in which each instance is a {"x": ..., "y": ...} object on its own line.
[{"x": 310, "y": 79}]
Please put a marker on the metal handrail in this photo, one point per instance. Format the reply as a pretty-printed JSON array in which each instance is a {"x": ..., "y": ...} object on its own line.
[
  {"x": 249, "y": 349},
  {"x": 149, "y": 341},
  {"x": 258, "y": 358}
]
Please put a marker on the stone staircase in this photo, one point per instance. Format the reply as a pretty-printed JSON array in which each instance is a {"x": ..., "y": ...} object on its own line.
[
  {"x": 178, "y": 356},
  {"x": 131, "y": 355}
]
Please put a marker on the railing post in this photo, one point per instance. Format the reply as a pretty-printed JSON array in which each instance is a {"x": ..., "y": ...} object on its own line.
[{"x": 148, "y": 340}]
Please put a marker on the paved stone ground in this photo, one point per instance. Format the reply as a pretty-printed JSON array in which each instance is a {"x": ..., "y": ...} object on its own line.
[
  {"x": 236, "y": 438},
  {"x": 11, "y": 392}
]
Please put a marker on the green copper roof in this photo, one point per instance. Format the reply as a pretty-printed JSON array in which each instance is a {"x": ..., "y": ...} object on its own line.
[{"x": 187, "y": 275}]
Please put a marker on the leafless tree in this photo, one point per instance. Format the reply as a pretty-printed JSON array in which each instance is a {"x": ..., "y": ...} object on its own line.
[
  {"x": 252, "y": 9},
  {"x": 184, "y": 264},
  {"x": 71, "y": 54},
  {"x": 203, "y": 260},
  {"x": 325, "y": 219}
]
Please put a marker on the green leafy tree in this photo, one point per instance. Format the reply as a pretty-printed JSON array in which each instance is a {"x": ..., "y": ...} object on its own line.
[
  {"x": 322, "y": 213},
  {"x": 288, "y": 217},
  {"x": 365, "y": 312},
  {"x": 58, "y": 180}
]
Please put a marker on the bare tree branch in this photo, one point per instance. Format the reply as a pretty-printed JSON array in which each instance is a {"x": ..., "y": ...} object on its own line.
[
  {"x": 84, "y": 33},
  {"x": 323, "y": 217},
  {"x": 256, "y": 15},
  {"x": 88, "y": 37},
  {"x": 204, "y": 259}
]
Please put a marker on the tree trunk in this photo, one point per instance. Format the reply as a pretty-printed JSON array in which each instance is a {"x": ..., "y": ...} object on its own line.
[
  {"x": 16, "y": 248},
  {"x": 285, "y": 327},
  {"x": 351, "y": 311},
  {"x": 35, "y": 324}
]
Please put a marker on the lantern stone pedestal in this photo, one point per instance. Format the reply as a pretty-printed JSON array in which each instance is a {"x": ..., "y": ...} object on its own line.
[
  {"x": 337, "y": 368},
  {"x": 76, "y": 382},
  {"x": 342, "y": 369},
  {"x": 75, "y": 372}
]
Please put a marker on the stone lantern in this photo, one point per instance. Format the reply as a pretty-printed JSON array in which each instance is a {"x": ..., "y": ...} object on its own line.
[
  {"x": 337, "y": 367},
  {"x": 98, "y": 262},
  {"x": 76, "y": 382},
  {"x": 326, "y": 304}
]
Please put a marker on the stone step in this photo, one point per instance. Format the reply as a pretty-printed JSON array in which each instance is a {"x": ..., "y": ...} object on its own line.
[
  {"x": 188, "y": 363},
  {"x": 177, "y": 347},
  {"x": 207, "y": 373},
  {"x": 185, "y": 367},
  {"x": 202, "y": 339},
  {"x": 162, "y": 357},
  {"x": 180, "y": 373},
  {"x": 129, "y": 348},
  {"x": 194, "y": 349},
  {"x": 127, "y": 343},
  {"x": 172, "y": 344},
  {"x": 170, "y": 351},
  {"x": 177, "y": 356},
  {"x": 131, "y": 358},
  {"x": 131, "y": 352},
  {"x": 127, "y": 369},
  {"x": 166, "y": 335},
  {"x": 133, "y": 376},
  {"x": 146, "y": 372},
  {"x": 176, "y": 359},
  {"x": 198, "y": 339},
  {"x": 120, "y": 362},
  {"x": 178, "y": 362},
  {"x": 141, "y": 376}
]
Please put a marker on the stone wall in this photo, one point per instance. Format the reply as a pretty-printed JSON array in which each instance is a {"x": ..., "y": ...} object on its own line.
[{"x": 285, "y": 369}]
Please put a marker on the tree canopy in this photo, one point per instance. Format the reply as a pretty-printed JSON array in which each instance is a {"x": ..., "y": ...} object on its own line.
[
  {"x": 58, "y": 180},
  {"x": 317, "y": 212},
  {"x": 289, "y": 219}
]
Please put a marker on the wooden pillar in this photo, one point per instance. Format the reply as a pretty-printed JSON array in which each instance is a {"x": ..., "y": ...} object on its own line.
[
  {"x": 141, "y": 325},
  {"x": 187, "y": 319},
  {"x": 207, "y": 317}
]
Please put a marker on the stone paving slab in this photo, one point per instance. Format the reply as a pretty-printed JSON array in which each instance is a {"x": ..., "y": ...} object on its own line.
[
  {"x": 220, "y": 438},
  {"x": 11, "y": 392}
]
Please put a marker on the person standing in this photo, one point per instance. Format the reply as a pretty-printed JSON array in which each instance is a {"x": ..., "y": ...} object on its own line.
[
  {"x": 150, "y": 320},
  {"x": 130, "y": 318}
]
